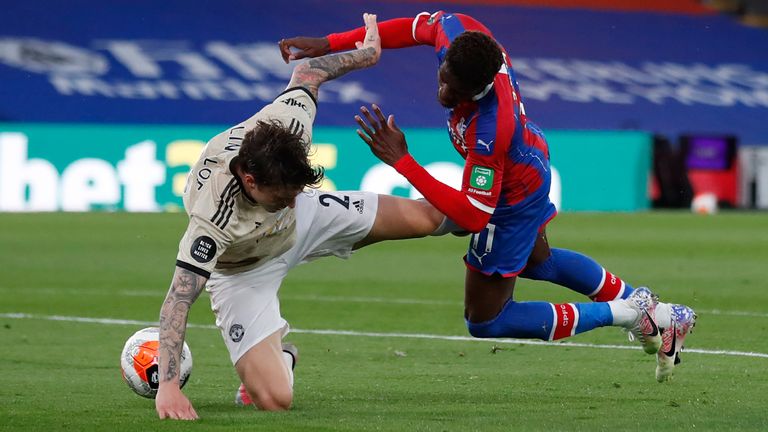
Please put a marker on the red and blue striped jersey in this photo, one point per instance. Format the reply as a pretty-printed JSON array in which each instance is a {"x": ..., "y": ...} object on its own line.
[{"x": 507, "y": 158}]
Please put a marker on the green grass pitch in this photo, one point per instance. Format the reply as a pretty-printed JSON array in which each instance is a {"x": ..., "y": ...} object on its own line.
[{"x": 63, "y": 374}]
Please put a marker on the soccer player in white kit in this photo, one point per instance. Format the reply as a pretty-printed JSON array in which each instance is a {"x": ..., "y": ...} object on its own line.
[{"x": 251, "y": 219}]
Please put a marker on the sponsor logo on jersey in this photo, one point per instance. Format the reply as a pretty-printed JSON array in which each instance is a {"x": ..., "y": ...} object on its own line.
[
  {"x": 294, "y": 102},
  {"x": 296, "y": 127},
  {"x": 484, "y": 146},
  {"x": 481, "y": 178},
  {"x": 226, "y": 204},
  {"x": 457, "y": 133},
  {"x": 203, "y": 249},
  {"x": 479, "y": 258},
  {"x": 359, "y": 205},
  {"x": 479, "y": 192}
]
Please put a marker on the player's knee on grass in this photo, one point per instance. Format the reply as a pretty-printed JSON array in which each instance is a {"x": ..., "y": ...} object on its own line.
[
  {"x": 265, "y": 375},
  {"x": 484, "y": 329},
  {"x": 524, "y": 320},
  {"x": 481, "y": 323},
  {"x": 498, "y": 328},
  {"x": 272, "y": 398}
]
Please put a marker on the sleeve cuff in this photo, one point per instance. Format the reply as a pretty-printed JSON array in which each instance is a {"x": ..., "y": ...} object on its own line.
[
  {"x": 299, "y": 88},
  {"x": 415, "y": 22},
  {"x": 333, "y": 44},
  {"x": 405, "y": 164},
  {"x": 193, "y": 269}
]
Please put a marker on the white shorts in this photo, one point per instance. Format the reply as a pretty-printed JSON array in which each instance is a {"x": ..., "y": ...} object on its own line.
[{"x": 246, "y": 305}]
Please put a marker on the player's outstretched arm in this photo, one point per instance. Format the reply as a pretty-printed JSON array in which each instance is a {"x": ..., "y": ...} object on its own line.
[
  {"x": 388, "y": 143},
  {"x": 185, "y": 288},
  {"x": 394, "y": 33},
  {"x": 305, "y": 47},
  {"x": 319, "y": 70},
  {"x": 386, "y": 140}
]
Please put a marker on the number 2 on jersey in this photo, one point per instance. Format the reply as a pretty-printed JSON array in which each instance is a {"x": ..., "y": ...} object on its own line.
[{"x": 324, "y": 198}]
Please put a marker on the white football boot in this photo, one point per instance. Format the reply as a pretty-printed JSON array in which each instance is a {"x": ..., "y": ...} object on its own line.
[
  {"x": 673, "y": 337},
  {"x": 644, "y": 328}
]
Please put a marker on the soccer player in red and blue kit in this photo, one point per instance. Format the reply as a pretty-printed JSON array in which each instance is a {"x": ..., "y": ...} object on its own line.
[{"x": 504, "y": 200}]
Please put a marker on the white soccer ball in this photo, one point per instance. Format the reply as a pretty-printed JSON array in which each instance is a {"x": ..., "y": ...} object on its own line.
[
  {"x": 705, "y": 203},
  {"x": 139, "y": 362}
]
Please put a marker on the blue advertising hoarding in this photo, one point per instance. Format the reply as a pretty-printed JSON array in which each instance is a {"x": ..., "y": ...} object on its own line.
[{"x": 217, "y": 62}]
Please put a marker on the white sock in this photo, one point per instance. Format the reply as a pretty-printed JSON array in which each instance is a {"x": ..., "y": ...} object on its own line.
[
  {"x": 664, "y": 315},
  {"x": 446, "y": 226},
  {"x": 623, "y": 315},
  {"x": 288, "y": 359}
]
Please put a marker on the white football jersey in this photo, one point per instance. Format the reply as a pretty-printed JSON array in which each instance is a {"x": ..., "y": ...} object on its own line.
[{"x": 227, "y": 231}]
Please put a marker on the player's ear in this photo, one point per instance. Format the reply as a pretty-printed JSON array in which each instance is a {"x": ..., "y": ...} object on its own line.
[{"x": 249, "y": 180}]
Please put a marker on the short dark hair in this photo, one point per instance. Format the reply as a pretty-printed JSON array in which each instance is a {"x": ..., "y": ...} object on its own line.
[
  {"x": 474, "y": 58},
  {"x": 275, "y": 156}
]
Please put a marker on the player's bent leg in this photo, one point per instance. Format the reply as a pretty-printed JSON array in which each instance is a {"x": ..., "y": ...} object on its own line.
[
  {"x": 266, "y": 376},
  {"x": 401, "y": 218},
  {"x": 491, "y": 312},
  {"x": 485, "y": 296},
  {"x": 574, "y": 271},
  {"x": 290, "y": 356}
]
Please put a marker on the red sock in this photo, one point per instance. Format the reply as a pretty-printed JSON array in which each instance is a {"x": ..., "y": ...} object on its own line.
[{"x": 611, "y": 288}]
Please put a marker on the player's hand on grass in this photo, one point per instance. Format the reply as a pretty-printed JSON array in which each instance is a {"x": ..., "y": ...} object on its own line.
[
  {"x": 171, "y": 403},
  {"x": 382, "y": 135}
]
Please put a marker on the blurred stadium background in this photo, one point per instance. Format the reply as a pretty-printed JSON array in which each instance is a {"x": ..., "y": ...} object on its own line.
[
  {"x": 646, "y": 104},
  {"x": 97, "y": 104}
]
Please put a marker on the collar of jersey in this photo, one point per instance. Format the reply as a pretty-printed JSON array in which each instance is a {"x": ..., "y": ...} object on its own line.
[
  {"x": 482, "y": 94},
  {"x": 239, "y": 181}
]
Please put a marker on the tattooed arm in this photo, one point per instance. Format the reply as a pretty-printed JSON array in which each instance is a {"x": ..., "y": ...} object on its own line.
[
  {"x": 185, "y": 288},
  {"x": 318, "y": 70}
]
